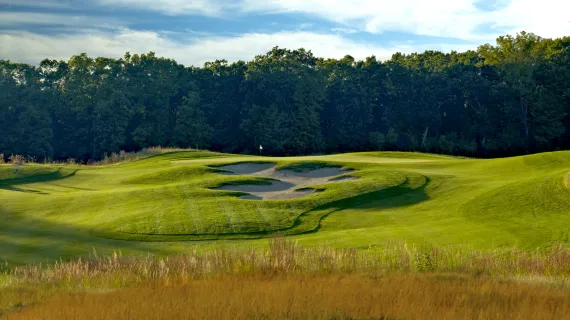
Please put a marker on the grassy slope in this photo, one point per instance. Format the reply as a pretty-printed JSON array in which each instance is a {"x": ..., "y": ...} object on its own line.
[{"x": 48, "y": 212}]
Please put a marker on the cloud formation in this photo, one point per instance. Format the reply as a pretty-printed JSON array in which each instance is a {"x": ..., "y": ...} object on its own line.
[
  {"x": 13, "y": 20},
  {"x": 174, "y": 7},
  {"x": 462, "y": 19},
  {"x": 32, "y": 48},
  {"x": 79, "y": 30}
]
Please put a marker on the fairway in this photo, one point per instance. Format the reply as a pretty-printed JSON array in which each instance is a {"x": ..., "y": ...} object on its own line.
[{"x": 176, "y": 201}]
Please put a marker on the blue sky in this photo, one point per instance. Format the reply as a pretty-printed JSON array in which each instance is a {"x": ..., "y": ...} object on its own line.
[{"x": 195, "y": 31}]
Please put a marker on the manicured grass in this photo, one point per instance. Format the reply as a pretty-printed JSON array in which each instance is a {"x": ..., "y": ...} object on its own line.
[{"x": 166, "y": 203}]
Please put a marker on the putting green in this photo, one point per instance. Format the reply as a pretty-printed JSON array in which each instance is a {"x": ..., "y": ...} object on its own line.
[{"x": 173, "y": 201}]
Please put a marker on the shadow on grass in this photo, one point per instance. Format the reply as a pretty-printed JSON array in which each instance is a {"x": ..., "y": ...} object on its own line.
[
  {"x": 11, "y": 184},
  {"x": 26, "y": 240},
  {"x": 397, "y": 196}
]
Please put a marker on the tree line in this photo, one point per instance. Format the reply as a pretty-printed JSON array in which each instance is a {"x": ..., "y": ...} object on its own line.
[{"x": 499, "y": 100}]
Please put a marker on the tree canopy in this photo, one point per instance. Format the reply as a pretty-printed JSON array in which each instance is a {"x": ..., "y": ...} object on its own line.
[{"x": 499, "y": 100}]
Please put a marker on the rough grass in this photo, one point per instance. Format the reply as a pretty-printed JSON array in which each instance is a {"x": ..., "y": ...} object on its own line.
[
  {"x": 160, "y": 202},
  {"x": 285, "y": 281},
  {"x": 342, "y": 296},
  {"x": 285, "y": 257}
]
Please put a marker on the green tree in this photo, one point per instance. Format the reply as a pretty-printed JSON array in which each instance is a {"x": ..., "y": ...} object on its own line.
[{"x": 191, "y": 127}]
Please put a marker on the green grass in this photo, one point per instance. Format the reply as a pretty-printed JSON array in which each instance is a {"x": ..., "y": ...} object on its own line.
[{"x": 167, "y": 203}]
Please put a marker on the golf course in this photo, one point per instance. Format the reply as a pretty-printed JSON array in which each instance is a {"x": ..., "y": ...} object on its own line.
[
  {"x": 173, "y": 201},
  {"x": 330, "y": 160}
]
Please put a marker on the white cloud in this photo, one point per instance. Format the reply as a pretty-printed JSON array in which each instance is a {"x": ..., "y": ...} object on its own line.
[
  {"x": 32, "y": 48},
  {"x": 11, "y": 19},
  {"x": 456, "y": 18},
  {"x": 205, "y": 7},
  {"x": 547, "y": 18},
  {"x": 444, "y": 18}
]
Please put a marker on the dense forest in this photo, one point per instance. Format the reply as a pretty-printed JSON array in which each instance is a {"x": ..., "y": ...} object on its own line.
[{"x": 500, "y": 100}]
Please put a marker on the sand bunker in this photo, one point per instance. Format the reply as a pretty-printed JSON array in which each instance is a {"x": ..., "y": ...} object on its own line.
[
  {"x": 347, "y": 178},
  {"x": 284, "y": 184},
  {"x": 274, "y": 186},
  {"x": 246, "y": 168}
]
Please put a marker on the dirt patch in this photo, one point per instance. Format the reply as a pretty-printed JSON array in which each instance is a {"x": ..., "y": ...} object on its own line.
[{"x": 285, "y": 183}]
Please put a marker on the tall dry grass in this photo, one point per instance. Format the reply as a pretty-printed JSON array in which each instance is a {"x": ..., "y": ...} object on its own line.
[
  {"x": 285, "y": 257},
  {"x": 287, "y": 281},
  {"x": 331, "y": 296}
]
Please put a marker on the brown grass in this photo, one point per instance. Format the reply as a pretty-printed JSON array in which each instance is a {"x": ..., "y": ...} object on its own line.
[
  {"x": 288, "y": 281},
  {"x": 285, "y": 257},
  {"x": 333, "y": 296}
]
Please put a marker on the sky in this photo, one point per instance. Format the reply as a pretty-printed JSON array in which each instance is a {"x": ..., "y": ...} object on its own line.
[{"x": 196, "y": 31}]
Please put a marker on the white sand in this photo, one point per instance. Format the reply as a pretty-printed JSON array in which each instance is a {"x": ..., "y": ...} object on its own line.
[{"x": 284, "y": 182}]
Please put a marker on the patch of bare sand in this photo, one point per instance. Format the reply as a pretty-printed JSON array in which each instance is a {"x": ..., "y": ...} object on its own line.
[
  {"x": 273, "y": 186},
  {"x": 248, "y": 168},
  {"x": 285, "y": 184}
]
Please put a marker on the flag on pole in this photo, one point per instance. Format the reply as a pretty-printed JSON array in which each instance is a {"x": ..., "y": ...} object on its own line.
[{"x": 260, "y": 147}]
